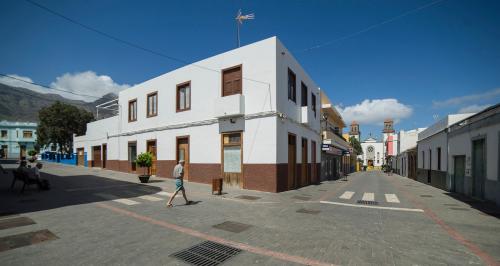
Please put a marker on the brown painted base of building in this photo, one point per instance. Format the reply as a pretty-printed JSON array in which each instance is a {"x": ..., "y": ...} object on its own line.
[
  {"x": 437, "y": 178},
  {"x": 261, "y": 177}
]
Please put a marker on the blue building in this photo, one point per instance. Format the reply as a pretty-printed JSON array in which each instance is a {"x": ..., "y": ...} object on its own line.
[{"x": 16, "y": 139}]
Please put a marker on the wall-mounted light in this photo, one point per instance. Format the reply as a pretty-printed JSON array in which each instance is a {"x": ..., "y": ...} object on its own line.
[{"x": 232, "y": 120}]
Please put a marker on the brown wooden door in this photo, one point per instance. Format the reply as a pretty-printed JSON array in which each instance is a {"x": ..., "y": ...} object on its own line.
[
  {"x": 232, "y": 159},
  {"x": 96, "y": 156},
  {"x": 22, "y": 153},
  {"x": 104, "y": 155},
  {"x": 183, "y": 154},
  {"x": 314, "y": 170},
  {"x": 151, "y": 147},
  {"x": 304, "y": 177},
  {"x": 80, "y": 157},
  {"x": 231, "y": 81},
  {"x": 292, "y": 161}
]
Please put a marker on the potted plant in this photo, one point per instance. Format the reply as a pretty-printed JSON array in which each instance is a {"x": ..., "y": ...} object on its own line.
[
  {"x": 32, "y": 154},
  {"x": 144, "y": 160}
]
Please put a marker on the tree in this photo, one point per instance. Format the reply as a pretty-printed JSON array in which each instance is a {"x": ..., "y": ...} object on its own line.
[
  {"x": 59, "y": 122},
  {"x": 356, "y": 145}
]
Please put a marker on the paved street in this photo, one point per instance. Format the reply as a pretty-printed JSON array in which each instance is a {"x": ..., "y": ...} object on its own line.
[{"x": 102, "y": 217}]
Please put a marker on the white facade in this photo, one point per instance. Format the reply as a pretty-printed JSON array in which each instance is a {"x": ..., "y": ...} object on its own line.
[
  {"x": 263, "y": 113},
  {"x": 483, "y": 127},
  {"x": 432, "y": 151},
  {"x": 407, "y": 140},
  {"x": 373, "y": 151}
]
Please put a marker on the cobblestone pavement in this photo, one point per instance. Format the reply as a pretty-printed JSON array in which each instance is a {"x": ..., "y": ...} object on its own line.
[{"x": 101, "y": 217}]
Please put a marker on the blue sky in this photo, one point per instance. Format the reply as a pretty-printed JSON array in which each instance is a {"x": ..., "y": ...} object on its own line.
[{"x": 442, "y": 59}]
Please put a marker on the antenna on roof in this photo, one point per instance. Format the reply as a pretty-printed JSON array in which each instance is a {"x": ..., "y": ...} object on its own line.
[{"x": 239, "y": 20}]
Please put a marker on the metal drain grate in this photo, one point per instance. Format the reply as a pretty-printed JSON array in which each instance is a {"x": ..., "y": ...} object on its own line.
[
  {"x": 367, "y": 202},
  {"x": 25, "y": 239},
  {"x": 231, "y": 226},
  {"x": 308, "y": 211},
  {"x": 15, "y": 222},
  {"x": 426, "y": 196},
  {"x": 207, "y": 253},
  {"x": 247, "y": 197},
  {"x": 301, "y": 198}
]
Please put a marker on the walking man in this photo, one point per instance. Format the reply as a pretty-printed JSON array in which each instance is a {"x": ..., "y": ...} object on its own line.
[{"x": 178, "y": 174}]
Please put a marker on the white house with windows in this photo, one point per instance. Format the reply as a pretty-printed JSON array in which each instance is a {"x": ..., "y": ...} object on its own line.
[
  {"x": 250, "y": 116},
  {"x": 432, "y": 152}
]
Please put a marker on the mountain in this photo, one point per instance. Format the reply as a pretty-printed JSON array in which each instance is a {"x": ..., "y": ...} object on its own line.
[{"x": 20, "y": 104}]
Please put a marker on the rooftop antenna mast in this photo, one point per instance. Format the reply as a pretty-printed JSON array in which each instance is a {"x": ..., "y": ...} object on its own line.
[{"x": 239, "y": 20}]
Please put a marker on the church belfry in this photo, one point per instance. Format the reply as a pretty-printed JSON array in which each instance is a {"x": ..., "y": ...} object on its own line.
[
  {"x": 354, "y": 131},
  {"x": 388, "y": 126}
]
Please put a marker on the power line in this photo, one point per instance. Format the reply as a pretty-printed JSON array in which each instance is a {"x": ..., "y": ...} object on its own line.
[
  {"x": 370, "y": 27},
  {"x": 128, "y": 43},
  {"x": 45, "y": 86}
]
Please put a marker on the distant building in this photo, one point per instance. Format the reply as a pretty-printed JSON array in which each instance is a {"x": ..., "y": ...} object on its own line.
[
  {"x": 406, "y": 158},
  {"x": 16, "y": 139},
  {"x": 373, "y": 153},
  {"x": 473, "y": 157},
  {"x": 432, "y": 166},
  {"x": 335, "y": 154}
]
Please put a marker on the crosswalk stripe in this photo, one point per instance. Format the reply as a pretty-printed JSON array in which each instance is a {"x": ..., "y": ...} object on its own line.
[
  {"x": 126, "y": 201},
  {"x": 150, "y": 198},
  {"x": 164, "y": 193},
  {"x": 116, "y": 199},
  {"x": 391, "y": 198},
  {"x": 368, "y": 197},
  {"x": 347, "y": 195}
]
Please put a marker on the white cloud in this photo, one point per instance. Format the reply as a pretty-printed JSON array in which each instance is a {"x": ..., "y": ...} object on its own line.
[
  {"x": 88, "y": 84},
  {"x": 473, "y": 108},
  {"x": 375, "y": 111},
  {"x": 456, "y": 101}
]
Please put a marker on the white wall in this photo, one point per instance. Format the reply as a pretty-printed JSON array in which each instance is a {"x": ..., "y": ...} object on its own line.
[
  {"x": 379, "y": 147},
  {"x": 462, "y": 145},
  {"x": 432, "y": 143},
  {"x": 98, "y": 133},
  {"x": 259, "y": 79},
  {"x": 291, "y": 124}
]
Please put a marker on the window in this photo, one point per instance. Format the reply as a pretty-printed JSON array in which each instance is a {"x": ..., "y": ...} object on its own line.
[
  {"x": 4, "y": 133},
  {"x": 132, "y": 110},
  {"x": 27, "y": 134},
  {"x": 152, "y": 104},
  {"x": 423, "y": 160},
  {"x": 313, "y": 103},
  {"x": 439, "y": 158},
  {"x": 232, "y": 152},
  {"x": 184, "y": 96},
  {"x": 292, "y": 84},
  {"x": 232, "y": 81},
  {"x": 303, "y": 93}
]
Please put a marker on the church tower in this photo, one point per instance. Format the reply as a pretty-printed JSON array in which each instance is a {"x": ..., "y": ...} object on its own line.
[
  {"x": 390, "y": 139},
  {"x": 354, "y": 132}
]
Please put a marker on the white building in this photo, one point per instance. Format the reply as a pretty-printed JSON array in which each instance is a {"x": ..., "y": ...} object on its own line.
[
  {"x": 373, "y": 152},
  {"x": 405, "y": 163},
  {"x": 432, "y": 148},
  {"x": 473, "y": 157},
  {"x": 250, "y": 115}
]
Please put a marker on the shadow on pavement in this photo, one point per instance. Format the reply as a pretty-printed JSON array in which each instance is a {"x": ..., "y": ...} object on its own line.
[
  {"x": 486, "y": 207},
  {"x": 65, "y": 191}
]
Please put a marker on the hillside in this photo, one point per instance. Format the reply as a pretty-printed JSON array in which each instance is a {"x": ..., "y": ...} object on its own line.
[{"x": 20, "y": 104}]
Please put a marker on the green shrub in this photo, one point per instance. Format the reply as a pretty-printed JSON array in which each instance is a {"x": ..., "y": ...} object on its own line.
[
  {"x": 144, "y": 160},
  {"x": 32, "y": 153}
]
